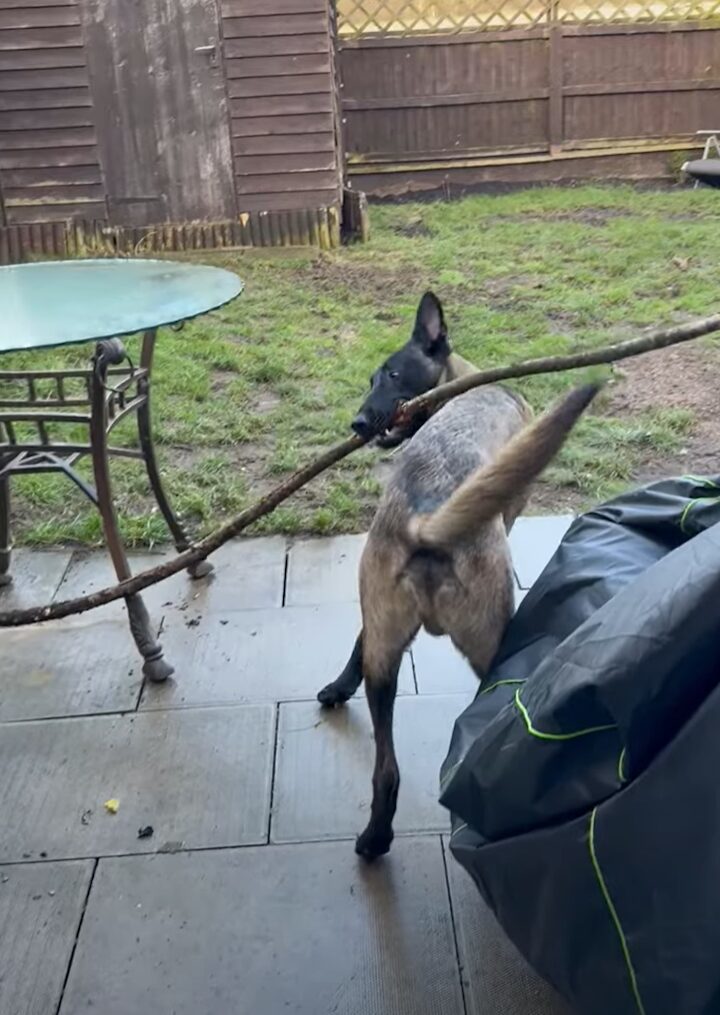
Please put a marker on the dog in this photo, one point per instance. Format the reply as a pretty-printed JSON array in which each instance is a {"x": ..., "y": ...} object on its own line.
[{"x": 437, "y": 554}]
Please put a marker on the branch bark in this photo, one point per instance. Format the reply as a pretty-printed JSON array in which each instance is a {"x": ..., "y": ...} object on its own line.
[
  {"x": 199, "y": 551},
  {"x": 659, "y": 338},
  {"x": 656, "y": 339}
]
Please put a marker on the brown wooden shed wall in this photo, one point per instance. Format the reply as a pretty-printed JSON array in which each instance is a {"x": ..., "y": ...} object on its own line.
[
  {"x": 49, "y": 166},
  {"x": 86, "y": 139},
  {"x": 281, "y": 87}
]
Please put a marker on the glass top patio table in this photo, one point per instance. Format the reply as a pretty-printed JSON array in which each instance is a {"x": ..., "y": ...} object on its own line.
[
  {"x": 60, "y": 303},
  {"x": 57, "y": 303}
]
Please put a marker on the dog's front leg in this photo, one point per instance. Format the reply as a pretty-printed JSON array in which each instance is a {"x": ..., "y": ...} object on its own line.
[
  {"x": 343, "y": 688},
  {"x": 381, "y": 690}
]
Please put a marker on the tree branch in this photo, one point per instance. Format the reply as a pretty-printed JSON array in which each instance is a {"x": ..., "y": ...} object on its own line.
[
  {"x": 659, "y": 338},
  {"x": 656, "y": 339},
  {"x": 199, "y": 551}
]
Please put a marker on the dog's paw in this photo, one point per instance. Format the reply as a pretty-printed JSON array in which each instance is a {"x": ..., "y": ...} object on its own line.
[
  {"x": 332, "y": 696},
  {"x": 372, "y": 844}
]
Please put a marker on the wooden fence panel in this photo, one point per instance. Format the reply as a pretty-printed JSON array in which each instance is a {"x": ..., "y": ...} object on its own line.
[
  {"x": 416, "y": 104},
  {"x": 611, "y": 94}
]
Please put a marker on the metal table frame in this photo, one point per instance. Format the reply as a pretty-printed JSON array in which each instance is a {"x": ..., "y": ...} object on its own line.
[{"x": 113, "y": 390}]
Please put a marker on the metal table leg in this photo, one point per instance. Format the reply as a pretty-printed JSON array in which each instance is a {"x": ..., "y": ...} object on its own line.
[
  {"x": 155, "y": 667},
  {"x": 5, "y": 548},
  {"x": 204, "y": 567}
]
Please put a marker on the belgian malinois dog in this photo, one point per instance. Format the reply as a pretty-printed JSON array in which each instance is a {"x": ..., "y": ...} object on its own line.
[{"x": 437, "y": 554}]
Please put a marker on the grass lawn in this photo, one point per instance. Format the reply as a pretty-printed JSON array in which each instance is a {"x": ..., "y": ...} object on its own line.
[{"x": 244, "y": 396}]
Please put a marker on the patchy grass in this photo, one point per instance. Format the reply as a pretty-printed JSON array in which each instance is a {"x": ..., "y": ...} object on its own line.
[{"x": 245, "y": 395}]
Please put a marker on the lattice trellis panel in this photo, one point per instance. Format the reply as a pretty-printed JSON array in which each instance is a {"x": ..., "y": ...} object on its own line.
[
  {"x": 413, "y": 17},
  {"x": 631, "y": 11},
  {"x": 358, "y": 18}
]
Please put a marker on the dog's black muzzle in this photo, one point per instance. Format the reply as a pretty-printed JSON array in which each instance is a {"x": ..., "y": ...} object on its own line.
[{"x": 371, "y": 423}]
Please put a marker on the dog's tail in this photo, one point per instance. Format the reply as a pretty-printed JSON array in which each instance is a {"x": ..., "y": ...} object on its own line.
[{"x": 488, "y": 491}]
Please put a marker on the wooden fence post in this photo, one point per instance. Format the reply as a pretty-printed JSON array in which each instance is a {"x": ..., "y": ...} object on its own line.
[{"x": 555, "y": 79}]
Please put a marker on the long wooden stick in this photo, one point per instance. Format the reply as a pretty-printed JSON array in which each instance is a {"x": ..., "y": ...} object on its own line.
[{"x": 657, "y": 339}]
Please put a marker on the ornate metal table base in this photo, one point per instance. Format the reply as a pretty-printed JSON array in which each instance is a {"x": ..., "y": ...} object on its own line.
[{"x": 112, "y": 389}]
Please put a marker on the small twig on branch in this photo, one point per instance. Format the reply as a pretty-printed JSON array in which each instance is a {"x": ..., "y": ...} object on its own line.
[{"x": 657, "y": 339}]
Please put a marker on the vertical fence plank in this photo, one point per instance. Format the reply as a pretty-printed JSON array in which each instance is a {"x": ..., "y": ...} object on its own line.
[{"x": 556, "y": 124}]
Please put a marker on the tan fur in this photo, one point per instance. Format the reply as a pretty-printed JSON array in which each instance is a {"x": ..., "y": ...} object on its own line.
[
  {"x": 468, "y": 596},
  {"x": 471, "y": 600},
  {"x": 488, "y": 491},
  {"x": 467, "y": 592},
  {"x": 456, "y": 367}
]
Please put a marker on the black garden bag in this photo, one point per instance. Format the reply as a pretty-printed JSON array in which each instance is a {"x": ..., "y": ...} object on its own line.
[{"x": 584, "y": 779}]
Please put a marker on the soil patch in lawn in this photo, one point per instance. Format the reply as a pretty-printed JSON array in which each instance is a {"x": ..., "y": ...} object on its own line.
[
  {"x": 683, "y": 377},
  {"x": 362, "y": 278}
]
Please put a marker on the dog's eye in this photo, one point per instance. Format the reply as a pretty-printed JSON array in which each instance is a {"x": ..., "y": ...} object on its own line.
[{"x": 394, "y": 374}]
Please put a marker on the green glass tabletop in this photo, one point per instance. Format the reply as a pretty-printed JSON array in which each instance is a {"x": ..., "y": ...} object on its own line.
[{"x": 63, "y": 302}]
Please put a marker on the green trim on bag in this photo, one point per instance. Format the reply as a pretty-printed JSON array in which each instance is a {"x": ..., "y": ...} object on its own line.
[
  {"x": 702, "y": 481},
  {"x": 614, "y": 915},
  {"x": 699, "y": 481},
  {"x": 621, "y": 766},
  {"x": 448, "y": 775},
  {"x": 686, "y": 509},
  {"x": 501, "y": 683},
  {"x": 691, "y": 504},
  {"x": 556, "y": 736},
  {"x": 460, "y": 828}
]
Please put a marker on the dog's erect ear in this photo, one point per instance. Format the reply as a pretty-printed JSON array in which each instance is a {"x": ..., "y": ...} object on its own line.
[{"x": 430, "y": 331}]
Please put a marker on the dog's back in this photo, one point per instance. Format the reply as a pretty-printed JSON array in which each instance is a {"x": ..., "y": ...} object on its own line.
[
  {"x": 464, "y": 435},
  {"x": 437, "y": 553}
]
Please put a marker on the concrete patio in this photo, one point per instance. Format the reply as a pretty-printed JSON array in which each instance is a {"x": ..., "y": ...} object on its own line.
[{"x": 247, "y": 897}]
